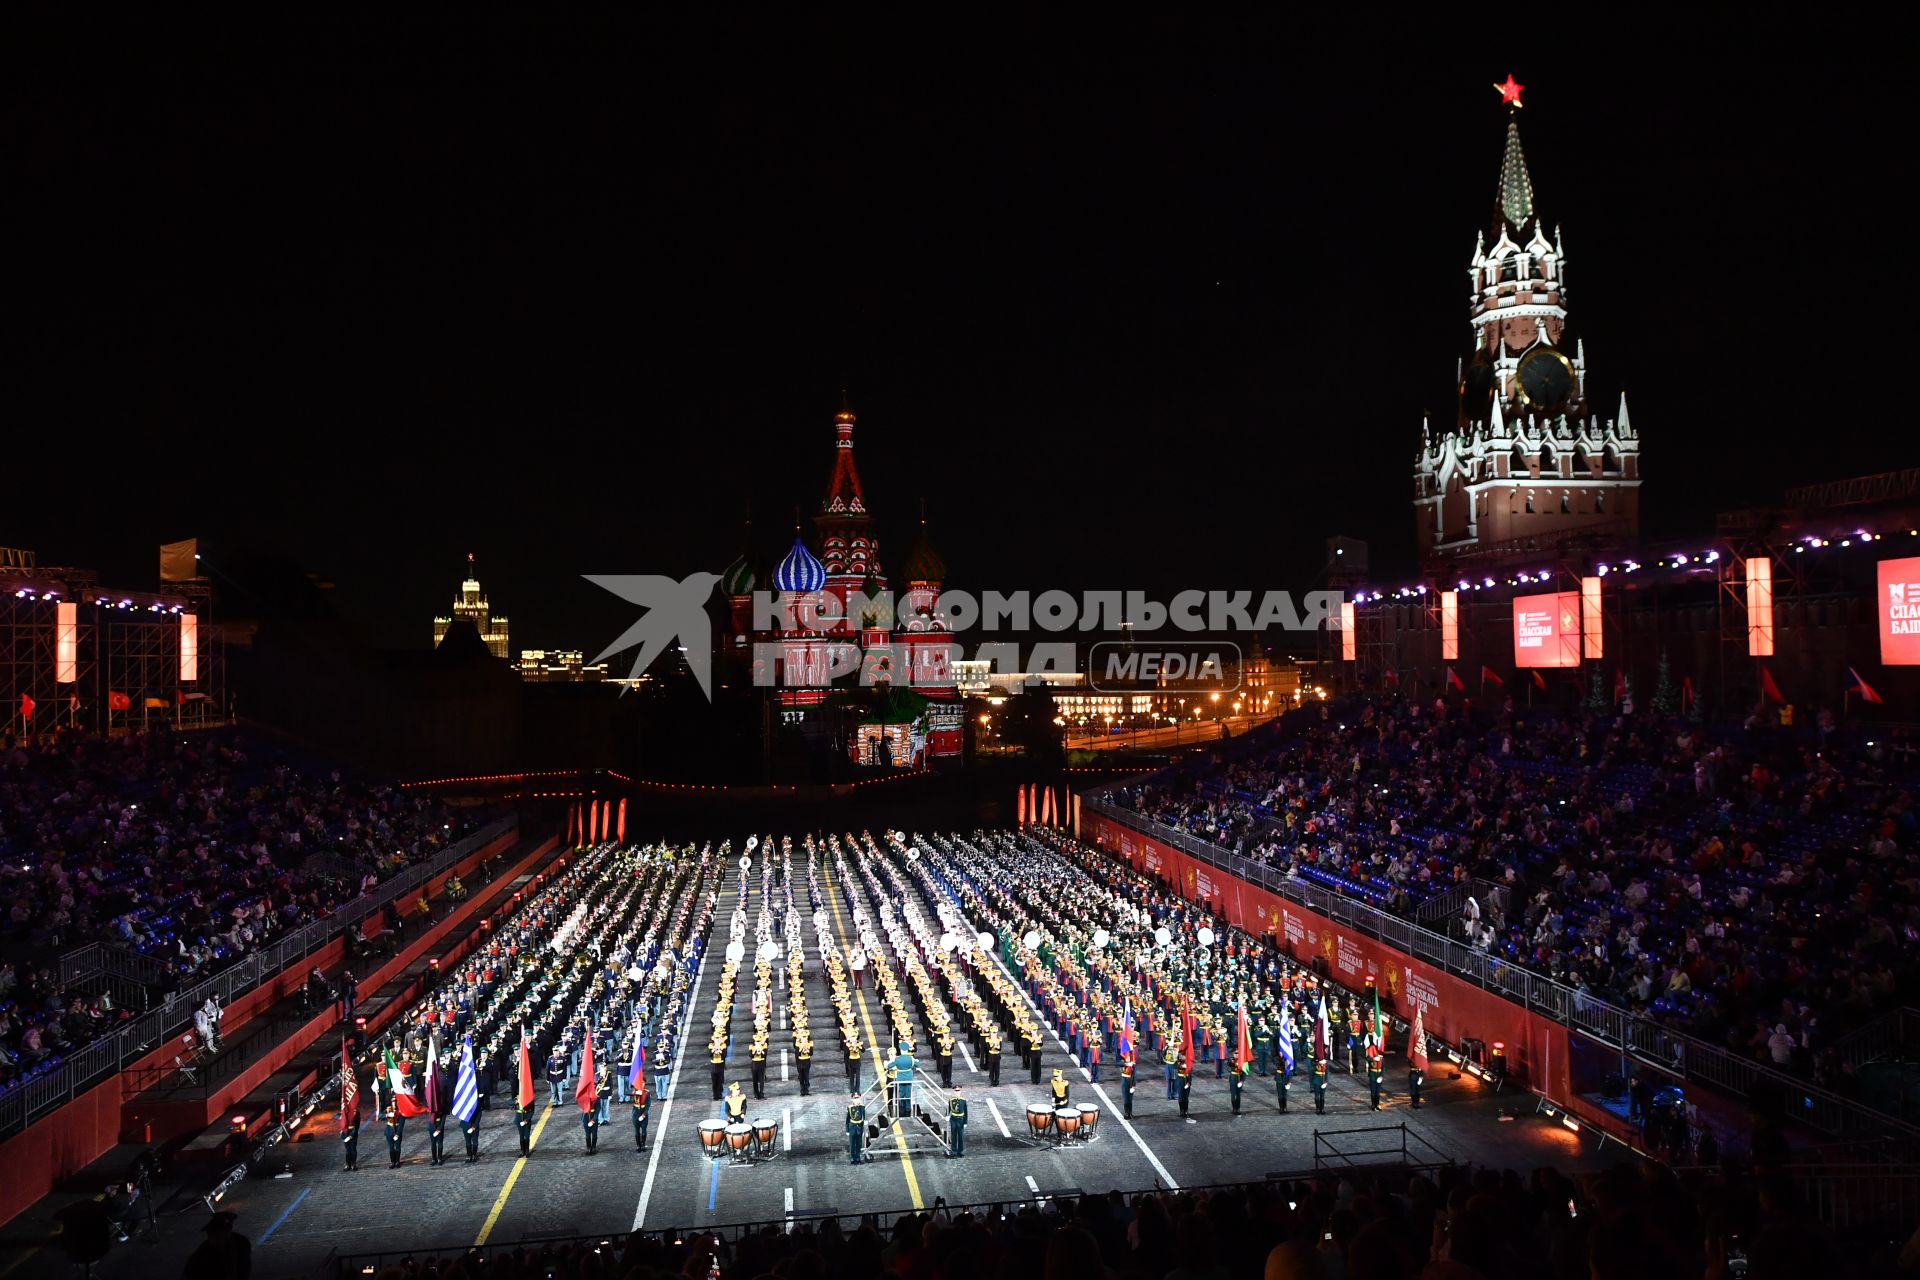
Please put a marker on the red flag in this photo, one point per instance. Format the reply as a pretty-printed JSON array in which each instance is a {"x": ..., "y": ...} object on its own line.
[
  {"x": 26, "y": 707},
  {"x": 1489, "y": 676},
  {"x": 1686, "y": 692},
  {"x": 1769, "y": 689},
  {"x": 1391, "y": 677},
  {"x": 1454, "y": 681},
  {"x": 1020, "y": 806},
  {"x": 525, "y": 1096},
  {"x": 1539, "y": 681},
  {"x": 620, "y": 833},
  {"x": 1186, "y": 1032},
  {"x": 1244, "y": 1042},
  {"x": 349, "y": 1091},
  {"x": 1865, "y": 690},
  {"x": 117, "y": 701},
  {"x": 585, "y": 1092},
  {"x": 1417, "y": 1040},
  {"x": 1620, "y": 685}
]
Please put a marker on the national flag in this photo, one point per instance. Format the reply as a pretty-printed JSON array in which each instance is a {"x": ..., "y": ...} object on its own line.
[
  {"x": 436, "y": 1105},
  {"x": 1489, "y": 676},
  {"x": 585, "y": 1092},
  {"x": 1454, "y": 681},
  {"x": 181, "y": 697},
  {"x": 1620, "y": 684},
  {"x": 118, "y": 701},
  {"x": 1539, "y": 681},
  {"x": 1769, "y": 689},
  {"x": 525, "y": 1096},
  {"x": 157, "y": 704},
  {"x": 1379, "y": 1027},
  {"x": 349, "y": 1090},
  {"x": 1686, "y": 692},
  {"x": 1417, "y": 1040},
  {"x": 1865, "y": 690},
  {"x": 1322, "y": 1033},
  {"x": 405, "y": 1100},
  {"x": 1126, "y": 1026},
  {"x": 466, "y": 1086},
  {"x": 1186, "y": 1034},
  {"x": 637, "y": 1077},
  {"x": 1283, "y": 1040},
  {"x": 26, "y": 706},
  {"x": 1243, "y": 1042}
]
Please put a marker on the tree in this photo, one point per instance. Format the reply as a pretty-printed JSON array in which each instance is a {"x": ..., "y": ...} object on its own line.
[
  {"x": 1666, "y": 698},
  {"x": 1597, "y": 700}
]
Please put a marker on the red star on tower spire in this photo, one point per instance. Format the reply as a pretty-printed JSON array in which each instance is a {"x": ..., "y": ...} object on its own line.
[{"x": 1510, "y": 91}]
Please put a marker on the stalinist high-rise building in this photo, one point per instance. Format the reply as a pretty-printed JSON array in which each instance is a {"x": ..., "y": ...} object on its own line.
[
  {"x": 1527, "y": 465},
  {"x": 471, "y": 606}
]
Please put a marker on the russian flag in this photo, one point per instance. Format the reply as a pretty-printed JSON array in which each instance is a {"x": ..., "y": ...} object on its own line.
[
  {"x": 1126, "y": 1026},
  {"x": 1864, "y": 690}
]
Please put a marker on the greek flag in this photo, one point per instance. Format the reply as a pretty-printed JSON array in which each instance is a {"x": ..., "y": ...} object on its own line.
[
  {"x": 466, "y": 1090},
  {"x": 1283, "y": 1041}
]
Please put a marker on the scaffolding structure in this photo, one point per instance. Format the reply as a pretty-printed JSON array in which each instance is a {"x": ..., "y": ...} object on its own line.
[{"x": 75, "y": 656}]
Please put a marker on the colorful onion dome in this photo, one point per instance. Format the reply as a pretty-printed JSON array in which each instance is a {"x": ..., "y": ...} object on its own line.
[
  {"x": 923, "y": 562},
  {"x": 801, "y": 571},
  {"x": 738, "y": 578}
]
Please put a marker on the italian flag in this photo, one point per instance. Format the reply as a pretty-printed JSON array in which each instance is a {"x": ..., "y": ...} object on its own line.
[{"x": 405, "y": 1100}]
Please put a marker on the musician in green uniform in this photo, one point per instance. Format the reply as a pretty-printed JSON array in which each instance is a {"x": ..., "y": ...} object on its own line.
[
  {"x": 856, "y": 1128},
  {"x": 1320, "y": 1085},
  {"x": 956, "y": 1124}
]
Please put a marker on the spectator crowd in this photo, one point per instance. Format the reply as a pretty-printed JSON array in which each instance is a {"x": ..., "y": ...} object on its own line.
[
  {"x": 192, "y": 849},
  {"x": 1756, "y": 886}
]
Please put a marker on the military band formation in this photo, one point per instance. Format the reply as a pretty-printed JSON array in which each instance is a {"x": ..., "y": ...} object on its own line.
[{"x": 931, "y": 946}]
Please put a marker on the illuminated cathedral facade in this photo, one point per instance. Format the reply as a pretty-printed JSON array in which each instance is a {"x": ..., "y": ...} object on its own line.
[{"x": 839, "y": 627}]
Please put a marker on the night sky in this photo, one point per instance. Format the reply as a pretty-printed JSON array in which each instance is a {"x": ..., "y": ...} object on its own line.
[{"x": 1151, "y": 304}]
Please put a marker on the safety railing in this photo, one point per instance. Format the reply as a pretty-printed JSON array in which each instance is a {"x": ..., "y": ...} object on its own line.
[
  {"x": 1669, "y": 1050},
  {"x": 27, "y": 1102},
  {"x": 353, "y": 1266},
  {"x": 105, "y": 960},
  {"x": 1388, "y": 1144}
]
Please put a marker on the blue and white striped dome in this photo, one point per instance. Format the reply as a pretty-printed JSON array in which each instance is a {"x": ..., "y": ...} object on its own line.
[{"x": 801, "y": 571}]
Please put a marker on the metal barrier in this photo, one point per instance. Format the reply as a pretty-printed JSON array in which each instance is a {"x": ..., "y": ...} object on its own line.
[
  {"x": 1400, "y": 1145},
  {"x": 1661, "y": 1047},
  {"x": 352, "y": 1266},
  {"x": 26, "y": 1103}
]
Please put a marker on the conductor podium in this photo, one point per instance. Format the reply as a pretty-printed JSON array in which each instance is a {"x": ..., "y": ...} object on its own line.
[{"x": 916, "y": 1103}]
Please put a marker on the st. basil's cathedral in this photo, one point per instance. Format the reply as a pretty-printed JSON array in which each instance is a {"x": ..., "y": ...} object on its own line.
[{"x": 840, "y": 632}]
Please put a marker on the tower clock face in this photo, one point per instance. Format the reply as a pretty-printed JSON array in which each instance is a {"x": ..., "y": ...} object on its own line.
[{"x": 1546, "y": 380}]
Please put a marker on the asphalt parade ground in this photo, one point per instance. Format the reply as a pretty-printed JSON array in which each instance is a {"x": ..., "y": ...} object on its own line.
[{"x": 302, "y": 1224}]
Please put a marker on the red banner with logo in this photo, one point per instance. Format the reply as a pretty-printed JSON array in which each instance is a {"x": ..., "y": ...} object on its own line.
[{"x": 1453, "y": 1008}]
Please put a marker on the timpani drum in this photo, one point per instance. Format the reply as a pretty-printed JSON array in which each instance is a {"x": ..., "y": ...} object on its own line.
[
  {"x": 1089, "y": 1117},
  {"x": 764, "y": 1134},
  {"x": 713, "y": 1137},
  {"x": 1039, "y": 1120},
  {"x": 1066, "y": 1121},
  {"x": 738, "y": 1137}
]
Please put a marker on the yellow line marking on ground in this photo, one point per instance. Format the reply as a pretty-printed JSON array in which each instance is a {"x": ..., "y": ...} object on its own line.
[
  {"x": 513, "y": 1176},
  {"x": 879, "y": 1062}
]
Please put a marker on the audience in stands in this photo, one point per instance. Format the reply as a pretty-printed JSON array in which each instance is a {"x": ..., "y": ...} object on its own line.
[
  {"x": 1639, "y": 1222},
  {"x": 192, "y": 849},
  {"x": 1759, "y": 887}
]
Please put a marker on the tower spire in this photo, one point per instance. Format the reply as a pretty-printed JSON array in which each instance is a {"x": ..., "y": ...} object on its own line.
[{"x": 1515, "y": 201}]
